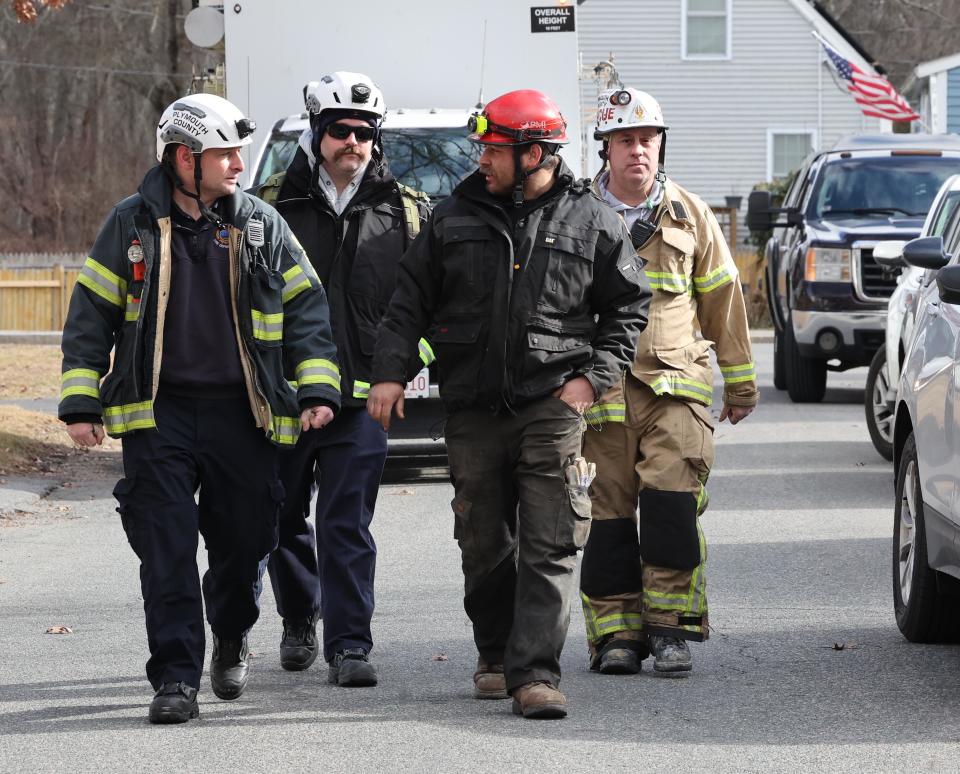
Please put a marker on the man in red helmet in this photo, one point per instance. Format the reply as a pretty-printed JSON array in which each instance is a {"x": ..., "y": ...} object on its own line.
[{"x": 532, "y": 296}]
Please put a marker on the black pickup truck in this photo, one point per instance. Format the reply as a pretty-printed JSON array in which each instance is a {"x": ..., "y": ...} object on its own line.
[{"x": 827, "y": 297}]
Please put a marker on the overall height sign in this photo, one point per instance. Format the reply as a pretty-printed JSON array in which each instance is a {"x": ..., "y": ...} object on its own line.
[{"x": 552, "y": 18}]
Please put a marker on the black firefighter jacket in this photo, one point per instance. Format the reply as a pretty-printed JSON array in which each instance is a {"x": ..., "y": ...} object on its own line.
[
  {"x": 356, "y": 255},
  {"x": 515, "y": 312},
  {"x": 280, "y": 314}
]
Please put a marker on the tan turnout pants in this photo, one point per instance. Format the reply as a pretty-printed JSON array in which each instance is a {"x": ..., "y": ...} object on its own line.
[{"x": 643, "y": 565}]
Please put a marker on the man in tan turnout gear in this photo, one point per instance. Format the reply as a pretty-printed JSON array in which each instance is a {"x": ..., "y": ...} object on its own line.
[{"x": 642, "y": 580}]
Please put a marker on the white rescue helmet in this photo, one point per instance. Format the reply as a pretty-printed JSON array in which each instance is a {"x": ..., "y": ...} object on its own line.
[
  {"x": 201, "y": 122},
  {"x": 345, "y": 91},
  {"x": 626, "y": 109}
]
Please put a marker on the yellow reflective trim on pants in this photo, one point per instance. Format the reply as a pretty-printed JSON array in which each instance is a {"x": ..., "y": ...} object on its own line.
[
  {"x": 599, "y": 627},
  {"x": 694, "y": 602},
  {"x": 80, "y": 381},
  {"x": 606, "y": 412},
  {"x": 267, "y": 327},
  {"x": 98, "y": 279},
  {"x": 426, "y": 352},
  {"x": 286, "y": 430},
  {"x": 714, "y": 279},
  {"x": 361, "y": 390},
  {"x": 318, "y": 371},
  {"x": 133, "y": 416},
  {"x": 739, "y": 373},
  {"x": 296, "y": 281},
  {"x": 678, "y": 385}
]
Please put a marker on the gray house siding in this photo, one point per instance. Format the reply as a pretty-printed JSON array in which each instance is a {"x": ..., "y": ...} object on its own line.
[
  {"x": 953, "y": 100},
  {"x": 719, "y": 111}
]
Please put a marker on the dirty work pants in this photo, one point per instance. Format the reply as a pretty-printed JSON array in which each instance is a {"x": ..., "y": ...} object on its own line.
[
  {"x": 654, "y": 464},
  {"x": 342, "y": 464},
  {"x": 519, "y": 526},
  {"x": 212, "y": 445}
]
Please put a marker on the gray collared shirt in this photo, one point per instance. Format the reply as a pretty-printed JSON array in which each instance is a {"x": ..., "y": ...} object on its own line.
[
  {"x": 339, "y": 202},
  {"x": 630, "y": 214}
]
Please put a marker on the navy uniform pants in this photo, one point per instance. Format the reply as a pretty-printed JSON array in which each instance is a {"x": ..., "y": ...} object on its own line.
[
  {"x": 214, "y": 446},
  {"x": 342, "y": 464}
]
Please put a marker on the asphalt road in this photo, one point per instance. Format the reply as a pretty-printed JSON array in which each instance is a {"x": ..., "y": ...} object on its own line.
[{"x": 799, "y": 534}]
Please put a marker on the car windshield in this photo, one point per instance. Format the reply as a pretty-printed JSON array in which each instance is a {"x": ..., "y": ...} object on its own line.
[
  {"x": 878, "y": 186},
  {"x": 430, "y": 160}
]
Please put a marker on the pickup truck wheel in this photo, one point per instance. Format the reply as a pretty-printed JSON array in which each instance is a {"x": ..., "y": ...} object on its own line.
[
  {"x": 923, "y": 612},
  {"x": 879, "y": 416},
  {"x": 806, "y": 377},
  {"x": 779, "y": 374}
]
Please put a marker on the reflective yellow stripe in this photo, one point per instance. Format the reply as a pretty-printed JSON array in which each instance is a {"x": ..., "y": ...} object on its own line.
[
  {"x": 296, "y": 282},
  {"x": 739, "y": 373},
  {"x": 665, "y": 280},
  {"x": 668, "y": 384},
  {"x": 361, "y": 389},
  {"x": 599, "y": 627},
  {"x": 426, "y": 352},
  {"x": 267, "y": 327},
  {"x": 606, "y": 412},
  {"x": 132, "y": 416},
  {"x": 133, "y": 308},
  {"x": 80, "y": 381},
  {"x": 694, "y": 602},
  {"x": 318, "y": 371},
  {"x": 98, "y": 279},
  {"x": 714, "y": 279},
  {"x": 286, "y": 430}
]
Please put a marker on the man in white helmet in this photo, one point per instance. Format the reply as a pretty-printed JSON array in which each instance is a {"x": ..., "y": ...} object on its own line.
[
  {"x": 208, "y": 303},
  {"x": 651, "y": 436},
  {"x": 355, "y": 221}
]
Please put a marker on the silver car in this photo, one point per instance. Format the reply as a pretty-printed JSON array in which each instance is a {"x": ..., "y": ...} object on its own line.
[
  {"x": 880, "y": 396},
  {"x": 926, "y": 447}
]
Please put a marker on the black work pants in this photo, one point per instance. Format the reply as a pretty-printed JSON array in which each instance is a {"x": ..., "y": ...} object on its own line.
[
  {"x": 519, "y": 525},
  {"x": 342, "y": 464},
  {"x": 212, "y": 445}
]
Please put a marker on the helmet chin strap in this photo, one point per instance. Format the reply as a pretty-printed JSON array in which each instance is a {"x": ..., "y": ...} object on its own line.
[
  {"x": 521, "y": 175},
  {"x": 207, "y": 213}
]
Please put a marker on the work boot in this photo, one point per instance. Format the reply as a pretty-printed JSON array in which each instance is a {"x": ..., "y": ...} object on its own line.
[
  {"x": 298, "y": 645},
  {"x": 539, "y": 700},
  {"x": 351, "y": 668},
  {"x": 488, "y": 681},
  {"x": 617, "y": 657},
  {"x": 174, "y": 703},
  {"x": 228, "y": 667},
  {"x": 671, "y": 654}
]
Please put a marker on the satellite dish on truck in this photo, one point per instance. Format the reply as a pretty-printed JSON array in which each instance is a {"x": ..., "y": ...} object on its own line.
[{"x": 204, "y": 27}]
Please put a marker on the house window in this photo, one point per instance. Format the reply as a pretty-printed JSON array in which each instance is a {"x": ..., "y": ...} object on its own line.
[
  {"x": 706, "y": 29},
  {"x": 786, "y": 151}
]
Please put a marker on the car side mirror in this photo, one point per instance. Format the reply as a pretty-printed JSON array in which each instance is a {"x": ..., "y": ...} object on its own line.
[
  {"x": 926, "y": 253},
  {"x": 759, "y": 215},
  {"x": 948, "y": 284},
  {"x": 889, "y": 255}
]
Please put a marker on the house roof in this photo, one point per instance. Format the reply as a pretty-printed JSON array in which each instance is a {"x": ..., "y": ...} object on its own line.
[{"x": 926, "y": 69}]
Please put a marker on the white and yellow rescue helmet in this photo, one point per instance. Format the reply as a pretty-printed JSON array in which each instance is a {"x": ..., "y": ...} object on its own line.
[{"x": 626, "y": 109}]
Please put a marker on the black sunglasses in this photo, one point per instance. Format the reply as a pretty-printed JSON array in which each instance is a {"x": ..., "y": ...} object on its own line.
[{"x": 343, "y": 131}]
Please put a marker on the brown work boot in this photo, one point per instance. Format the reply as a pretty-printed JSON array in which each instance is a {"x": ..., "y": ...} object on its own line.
[
  {"x": 539, "y": 700},
  {"x": 488, "y": 681}
]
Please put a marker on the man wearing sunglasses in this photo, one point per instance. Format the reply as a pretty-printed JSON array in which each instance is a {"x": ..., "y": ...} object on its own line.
[
  {"x": 354, "y": 220},
  {"x": 532, "y": 297}
]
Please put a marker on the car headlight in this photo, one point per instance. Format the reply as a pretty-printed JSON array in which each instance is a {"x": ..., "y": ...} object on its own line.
[{"x": 827, "y": 264}]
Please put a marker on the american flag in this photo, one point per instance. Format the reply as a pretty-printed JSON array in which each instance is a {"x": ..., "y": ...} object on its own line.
[{"x": 873, "y": 93}]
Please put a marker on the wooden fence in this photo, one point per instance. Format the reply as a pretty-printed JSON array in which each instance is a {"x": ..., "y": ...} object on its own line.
[{"x": 33, "y": 299}]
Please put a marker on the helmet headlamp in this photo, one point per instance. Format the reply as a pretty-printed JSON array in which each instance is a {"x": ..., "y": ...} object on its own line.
[{"x": 621, "y": 97}]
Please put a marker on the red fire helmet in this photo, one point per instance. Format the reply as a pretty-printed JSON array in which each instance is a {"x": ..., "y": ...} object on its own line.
[{"x": 519, "y": 118}]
